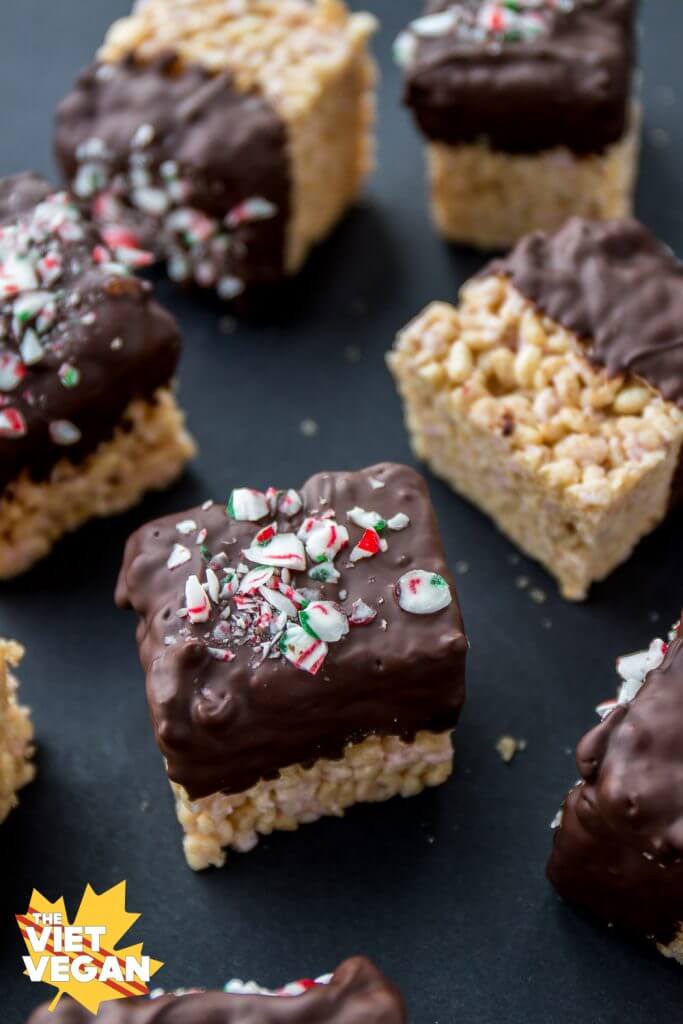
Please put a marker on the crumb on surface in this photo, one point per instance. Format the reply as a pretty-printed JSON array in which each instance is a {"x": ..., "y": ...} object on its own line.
[{"x": 508, "y": 747}]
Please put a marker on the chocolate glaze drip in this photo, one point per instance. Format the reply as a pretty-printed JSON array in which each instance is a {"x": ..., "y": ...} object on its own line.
[
  {"x": 229, "y": 146},
  {"x": 357, "y": 994},
  {"x": 619, "y": 850},
  {"x": 225, "y": 726},
  {"x": 110, "y": 378},
  {"x": 569, "y": 88},
  {"x": 616, "y": 287}
]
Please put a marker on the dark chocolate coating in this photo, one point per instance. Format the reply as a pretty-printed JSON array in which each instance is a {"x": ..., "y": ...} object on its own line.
[
  {"x": 615, "y": 286},
  {"x": 226, "y": 726},
  {"x": 619, "y": 850},
  {"x": 229, "y": 146},
  {"x": 569, "y": 88},
  {"x": 357, "y": 994},
  {"x": 110, "y": 378}
]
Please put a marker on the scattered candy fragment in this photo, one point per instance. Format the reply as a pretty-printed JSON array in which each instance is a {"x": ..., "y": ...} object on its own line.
[
  {"x": 212, "y": 585},
  {"x": 12, "y": 424},
  {"x": 69, "y": 375},
  {"x": 247, "y": 505},
  {"x": 249, "y": 211},
  {"x": 31, "y": 348},
  {"x": 12, "y": 370},
  {"x": 324, "y": 572},
  {"x": 423, "y": 593},
  {"x": 398, "y": 522},
  {"x": 324, "y": 538},
  {"x": 361, "y": 613},
  {"x": 284, "y": 550},
  {"x": 186, "y": 526},
  {"x": 303, "y": 650},
  {"x": 196, "y": 600},
  {"x": 508, "y": 746},
  {"x": 368, "y": 546},
  {"x": 179, "y": 555},
  {"x": 255, "y": 579},
  {"x": 64, "y": 432},
  {"x": 366, "y": 520},
  {"x": 324, "y": 620}
]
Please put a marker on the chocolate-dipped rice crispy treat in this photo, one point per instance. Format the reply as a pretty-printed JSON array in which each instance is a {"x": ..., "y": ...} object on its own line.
[
  {"x": 88, "y": 421},
  {"x": 304, "y": 651},
  {"x": 527, "y": 113},
  {"x": 357, "y": 993},
  {"x": 551, "y": 397},
  {"x": 618, "y": 844},
  {"x": 229, "y": 138},
  {"x": 16, "y": 732}
]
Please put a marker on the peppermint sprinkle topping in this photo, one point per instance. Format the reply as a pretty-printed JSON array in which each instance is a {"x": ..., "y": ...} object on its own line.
[
  {"x": 197, "y": 601},
  {"x": 423, "y": 593},
  {"x": 324, "y": 620},
  {"x": 303, "y": 650},
  {"x": 12, "y": 424},
  {"x": 246, "y": 505},
  {"x": 186, "y": 527},
  {"x": 178, "y": 556},
  {"x": 64, "y": 432}
]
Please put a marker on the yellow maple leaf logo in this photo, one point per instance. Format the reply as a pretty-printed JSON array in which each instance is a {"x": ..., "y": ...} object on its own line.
[{"x": 81, "y": 959}]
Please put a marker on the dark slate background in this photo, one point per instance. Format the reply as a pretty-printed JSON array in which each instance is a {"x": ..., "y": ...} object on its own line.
[{"x": 445, "y": 891}]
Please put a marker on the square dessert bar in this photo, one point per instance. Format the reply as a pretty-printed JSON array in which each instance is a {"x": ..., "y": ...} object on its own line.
[
  {"x": 551, "y": 397},
  {"x": 88, "y": 421},
  {"x": 304, "y": 651},
  {"x": 618, "y": 844},
  {"x": 229, "y": 138},
  {"x": 16, "y": 732},
  {"x": 357, "y": 993},
  {"x": 527, "y": 112}
]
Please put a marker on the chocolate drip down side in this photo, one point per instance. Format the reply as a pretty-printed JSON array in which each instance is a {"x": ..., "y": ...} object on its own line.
[
  {"x": 357, "y": 994},
  {"x": 223, "y": 726},
  {"x": 619, "y": 850},
  {"x": 109, "y": 342},
  {"x": 172, "y": 154},
  {"x": 569, "y": 87}
]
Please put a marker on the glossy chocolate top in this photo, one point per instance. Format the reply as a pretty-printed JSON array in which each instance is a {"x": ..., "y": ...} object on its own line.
[
  {"x": 619, "y": 850},
  {"x": 526, "y": 82},
  {"x": 225, "y": 724},
  {"x": 357, "y": 994},
  {"x": 79, "y": 337},
  {"x": 158, "y": 148},
  {"x": 615, "y": 286}
]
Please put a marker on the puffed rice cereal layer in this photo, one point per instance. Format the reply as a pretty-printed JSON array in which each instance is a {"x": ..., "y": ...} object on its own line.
[
  {"x": 675, "y": 949},
  {"x": 573, "y": 465},
  {"x": 376, "y": 769},
  {"x": 16, "y": 732},
  {"x": 489, "y": 199},
  {"x": 148, "y": 451},
  {"x": 308, "y": 58}
]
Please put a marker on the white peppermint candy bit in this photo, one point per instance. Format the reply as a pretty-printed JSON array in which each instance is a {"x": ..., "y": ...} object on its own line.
[
  {"x": 303, "y": 650},
  {"x": 434, "y": 24},
  {"x": 212, "y": 585},
  {"x": 254, "y": 209},
  {"x": 12, "y": 370},
  {"x": 324, "y": 620},
  {"x": 196, "y": 600},
  {"x": 376, "y": 484},
  {"x": 324, "y": 572},
  {"x": 231, "y": 583},
  {"x": 398, "y": 522},
  {"x": 423, "y": 593},
  {"x": 255, "y": 579},
  {"x": 637, "y": 666},
  {"x": 247, "y": 505},
  {"x": 27, "y": 307},
  {"x": 179, "y": 555},
  {"x": 64, "y": 432},
  {"x": 405, "y": 49},
  {"x": 186, "y": 527},
  {"x": 324, "y": 539},
  {"x": 366, "y": 520},
  {"x": 31, "y": 348},
  {"x": 361, "y": 613},
  {"x": 279, "y": 601},
  {"x": 290, "y": 503},
  {"x": 12, "y": 424},
  {"x": 284, "y": 550}
]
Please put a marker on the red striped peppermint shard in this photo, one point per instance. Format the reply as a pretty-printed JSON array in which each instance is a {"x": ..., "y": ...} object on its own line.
[
  {"x": 368, "y": 546},
  {"x": 246, "y": 505},
  {"x": 423, "y": 593},
  {"x": 255, "y": 579},
  {"x": 196, "y": 600},
  {"x": 12, "y": 424},
  {"x": 303, "y": 650},
  {"x": 366, "y": 520},
  {"x": 324, "y": 538},
  {"x": 324, "y": 620},
  {"x": 12, "y": 370},
  {"x": 361, "y": 613},
  {"x": 284, "y": 550}
]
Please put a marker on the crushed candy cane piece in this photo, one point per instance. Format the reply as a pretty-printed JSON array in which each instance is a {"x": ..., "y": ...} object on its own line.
[
  {"x": 423, "y": 593},
  {"x": 367, "y": 520},
  {"x": 12, "y": 370},
  {"x": 303, "y": 650},
  {"x": 31, "y": 348},
  {"x": 231, "y": 584},
  {"x": 284, "y": 550},
  {"x": 249, "y": 211},
  {"x": 324, "y": 572},
  {"x": 361, "y": 613},
  {"x": 376, "y": 484},
  {"x": 265, "y": 535},
  {"x": 255, "y": 579},
  {"x": 186, "y": 527},
  {"x": 324, "y": 620},
  {"x": 179, "y": 555},
  {"x": 398, "y": 522},
  {"x": 367, "y": 547},
  {"x": 247, "y": 505},
  {"x": 197, "y": 600},
  {"x": 212, "y": 585},
  {"x": 289, "y": 503},
  {"x": 12, "y": 424},
  {"x": 64, "y": 432},
  {"x": 279, "y": 600},
  {"x": 324, "y": 538}
]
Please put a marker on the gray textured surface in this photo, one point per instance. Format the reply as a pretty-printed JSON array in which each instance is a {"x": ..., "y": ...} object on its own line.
[{"x": 447, "y": 891}]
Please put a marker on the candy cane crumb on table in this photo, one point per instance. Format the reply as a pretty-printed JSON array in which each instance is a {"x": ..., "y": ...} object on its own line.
[
  {"x": 527, "y": 113},
  {"x": 16, "y": 731},
  {"x": 88, "y": 418},
  {"x": 356, "y": 992},
  {"x": 278, "y": 146},
  {"x": 552, "y": 399},
  {"x": 618, "y": 839},
  {"x": 314, "y": 648}
]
